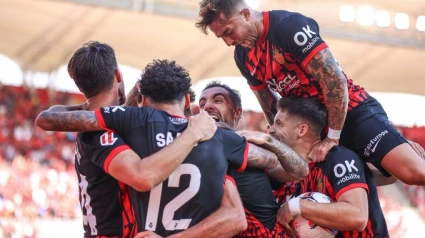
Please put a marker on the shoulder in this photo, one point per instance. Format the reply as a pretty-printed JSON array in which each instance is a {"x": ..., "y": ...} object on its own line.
[{"x": 340, "y": 154}]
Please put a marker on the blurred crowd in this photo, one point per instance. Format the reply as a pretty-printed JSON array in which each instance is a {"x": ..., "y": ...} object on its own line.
[{"x": 37, "y": 177}]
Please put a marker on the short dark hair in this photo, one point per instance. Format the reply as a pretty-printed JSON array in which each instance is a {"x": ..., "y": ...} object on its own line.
[
  {"x": 210, "y": 10},
  {"x": 235, "y": 95},
  {"x": 164, "y": 81},
  {"x": 92, "y": 67},
  {"x": 309, "y": 109}
]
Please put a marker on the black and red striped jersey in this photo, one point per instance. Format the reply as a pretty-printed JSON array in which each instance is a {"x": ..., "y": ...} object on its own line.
[
  {"x": 341, "y": 171},
  {"x": 259, "y": 202},
  {"x": 279, "y": 59},
  {"x": 195, "y": 189},
  {"x": 104, "y": 201}
]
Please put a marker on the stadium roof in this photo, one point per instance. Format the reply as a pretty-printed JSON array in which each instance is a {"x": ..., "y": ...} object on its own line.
[{"x": 42, "y": 35}]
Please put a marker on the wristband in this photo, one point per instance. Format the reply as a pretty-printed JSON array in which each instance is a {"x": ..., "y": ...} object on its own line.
[
  {"x": 294, "y": 207},
  {"x": 334, "y": 134}
]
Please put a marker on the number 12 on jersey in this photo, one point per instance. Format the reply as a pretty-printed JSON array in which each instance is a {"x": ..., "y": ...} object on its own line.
[{"x": 169, "y": 210}]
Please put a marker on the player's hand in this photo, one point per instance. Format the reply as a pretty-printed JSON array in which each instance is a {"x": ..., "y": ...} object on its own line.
[
  {"x": 147, "y": 234},
  {"x": 321, "y": 149},
  {"x": 202, "y": 126},
  {"x": 284, "y": 217},
  {"x": 255, "y": 137},
  {"x": 417, "y": 148}
]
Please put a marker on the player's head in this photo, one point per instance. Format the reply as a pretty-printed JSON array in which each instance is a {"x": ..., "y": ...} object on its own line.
[
  {"x": 222, "y": 103},
  {"x": 231, "y": 20},
  {"x": 298, "y": 120},
  {"x": 94, "y": 70},
  {"x": 165, "y": 82}
]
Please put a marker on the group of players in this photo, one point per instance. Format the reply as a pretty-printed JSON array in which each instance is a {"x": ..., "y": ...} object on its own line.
[{"x": 147, "y": 167}]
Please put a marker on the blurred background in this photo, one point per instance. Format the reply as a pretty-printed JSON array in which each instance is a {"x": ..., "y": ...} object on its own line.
[{"x": 378, "y": 43}]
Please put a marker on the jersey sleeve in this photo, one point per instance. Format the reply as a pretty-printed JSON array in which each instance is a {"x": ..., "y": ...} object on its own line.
[
  {"x": 235, "y": 149},
  {"x": 120, "y": 118},
  {"x": 103, "y": 147},
  {"x": 345, "y": 170},
  {"x": 247, "y": 70},
  {"x": 300, "y": 37}
]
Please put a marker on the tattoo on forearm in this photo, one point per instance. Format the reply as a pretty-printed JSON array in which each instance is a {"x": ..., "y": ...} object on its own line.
[
  {"x": 288, "y": 158},
  {"x": 268, "y": 103},
  {"x": 70, "y": 121},
  {"x": 132, "y": 97},
  {"x": 261, "y": 158},
  {"x": 63, "y": 108},
  {"x": 325, "y": 69}
]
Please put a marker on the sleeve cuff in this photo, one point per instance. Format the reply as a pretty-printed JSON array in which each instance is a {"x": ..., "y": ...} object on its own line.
[
  {"x": 245, "y": 159},
  {"x": 228, "y": 177},
  {"x": 352, "y": 186},
  {"x": 112, "y": 155},
  {"x": 258, "y": 87},
  {"x": 313, "y": 53},
  {"x": 100, "y": 119}
]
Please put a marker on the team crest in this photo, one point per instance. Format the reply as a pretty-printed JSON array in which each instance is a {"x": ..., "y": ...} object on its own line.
[
  {"x": 278, "y": 57},
  {"x": 319, "y": 185}
]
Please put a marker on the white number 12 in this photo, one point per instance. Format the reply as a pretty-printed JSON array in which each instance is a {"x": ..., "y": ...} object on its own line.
[{"x": 176, "y": 203}]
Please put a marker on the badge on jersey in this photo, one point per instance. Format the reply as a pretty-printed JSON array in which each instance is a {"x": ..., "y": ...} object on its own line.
[{"x": 108, "y": 138}]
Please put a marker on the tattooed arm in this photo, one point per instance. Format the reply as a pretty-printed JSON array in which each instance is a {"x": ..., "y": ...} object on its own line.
[
  {"x": 326, "y": 70},
  {"x": 290, "y": 161},
  {"x": 69, "y": 108},
  {"x": 68, "y": 121},
  {"x": 261, "y": 158},
  {"x": 267, "y": 100}
]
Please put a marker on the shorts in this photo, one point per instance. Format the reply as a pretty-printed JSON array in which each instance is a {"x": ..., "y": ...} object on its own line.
[{"x": 369, "y": 133}]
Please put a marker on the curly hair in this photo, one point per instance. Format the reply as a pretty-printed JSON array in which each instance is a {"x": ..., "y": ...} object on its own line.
[
  {"x": 210, "y": 10},
  {"x": 234, "y": 94},
  {"x": 92, "y": 67},
  {"x": 164, "y": 81}
]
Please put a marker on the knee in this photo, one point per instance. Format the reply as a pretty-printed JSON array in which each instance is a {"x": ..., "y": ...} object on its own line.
[{"x": 415, "y": 176}]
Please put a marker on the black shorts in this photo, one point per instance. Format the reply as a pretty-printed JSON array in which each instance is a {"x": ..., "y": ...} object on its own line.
[{"x": 369, "y": 133}]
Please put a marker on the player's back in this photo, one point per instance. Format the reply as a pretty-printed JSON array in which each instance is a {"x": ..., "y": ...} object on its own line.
[
  {"x": 104, "y": 200},
  {"x": 195, "y": 189}
]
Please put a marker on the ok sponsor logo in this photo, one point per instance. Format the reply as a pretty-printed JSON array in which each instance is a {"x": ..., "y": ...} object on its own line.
[
  {"x": 306, "y": 35},
  {"x": 108, "y": 138},
  {"x": 341, "y": 169}
]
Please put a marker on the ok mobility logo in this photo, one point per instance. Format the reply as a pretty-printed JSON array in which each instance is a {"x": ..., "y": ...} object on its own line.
[
  {"x": 371, "y": 147},
  {"x": 341, "y": 169},
  {"x": 302, "y": 37}
]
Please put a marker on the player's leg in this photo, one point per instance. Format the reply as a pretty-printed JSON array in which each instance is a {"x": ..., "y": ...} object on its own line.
[
  {"x": 375, "y": 139},
  {"x": 405, "y": 164}
]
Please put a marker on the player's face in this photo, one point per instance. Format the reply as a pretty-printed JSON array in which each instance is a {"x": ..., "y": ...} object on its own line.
[
  {"x": 284, "y": 128},
  {"x": 237, "y": 30},
  {"x": 217, "y": 102}
]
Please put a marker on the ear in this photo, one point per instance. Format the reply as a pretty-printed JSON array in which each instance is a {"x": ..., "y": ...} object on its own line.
[
  {"x": 187, "y": 101},
  {"x": 303, "y": 130},
  {"x": 145, "y": 102},
  {"x": 238, "y": 113},
  {"x": 246, "y": 13},
  {"x": 118, "y": 75}
]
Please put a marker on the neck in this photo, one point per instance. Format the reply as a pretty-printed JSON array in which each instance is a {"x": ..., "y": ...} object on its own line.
[
  {"x": 104, "y": 99},
  {"x": 174, "y": 109},
  {"x": 304, "y": 148},
  {"x": 259, "y": 23}
]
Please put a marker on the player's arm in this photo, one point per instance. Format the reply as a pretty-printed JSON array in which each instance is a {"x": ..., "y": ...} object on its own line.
[
  {"x": 380, "y": 179},
  {"x": 67, "y": 108},
  {"x": 352, "y": 206},
  {"x": 54, "y": 120},
  {"x": 290, "y": 161},
  {"x": 144, "y": 174},
  {"x": 279, "y": 174},
  {"x": 324, "y": 68},
  {"x": 132, "y": 98},
  {"x": 267, "y": 100},
  {"x": 265, "y": 97},
  {"x": 261, "y": 158},
  {"x": 227, "y": 221}
]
